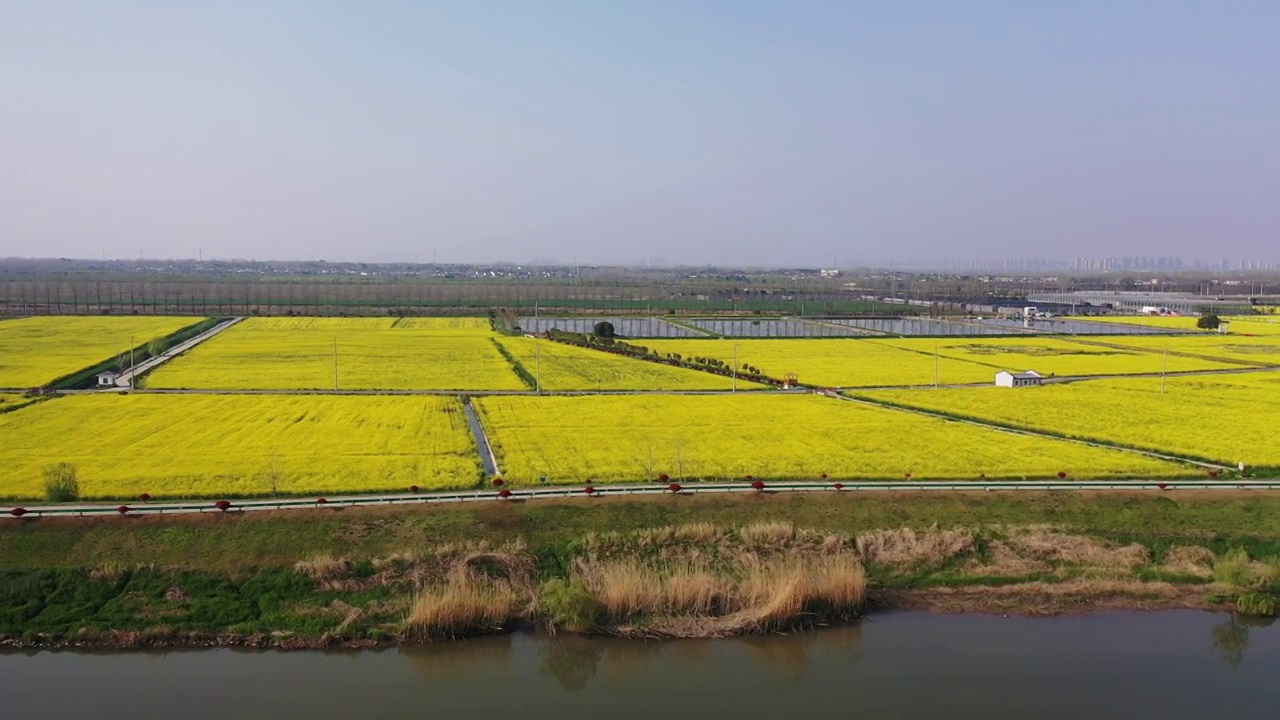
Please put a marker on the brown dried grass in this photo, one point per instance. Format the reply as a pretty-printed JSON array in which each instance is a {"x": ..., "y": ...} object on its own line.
[
  {"x": 690, "y": 600},
  {"x": 906, "y": 547},
  {"x": 462, "y": 606},
  {"x": 1058, "y": 547},
  {"x": 1189, "y": 560}
]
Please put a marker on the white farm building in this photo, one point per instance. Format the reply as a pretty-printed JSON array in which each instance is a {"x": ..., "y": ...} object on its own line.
[{"x": 1004, "y": 378}]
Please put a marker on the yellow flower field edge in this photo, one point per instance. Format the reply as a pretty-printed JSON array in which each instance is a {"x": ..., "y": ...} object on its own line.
[
  {"x": 65, "y": 351},
  {"x": 1198, "y": 418},
  {"x": 570, "y": 440},
  {"x": 566, "y": 367},
  {"x": 214, "y": 446},
  {"x": 348, "y": 353}
]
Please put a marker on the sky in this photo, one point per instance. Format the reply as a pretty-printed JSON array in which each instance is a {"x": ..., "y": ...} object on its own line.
[{"x": 699, "y": 132}]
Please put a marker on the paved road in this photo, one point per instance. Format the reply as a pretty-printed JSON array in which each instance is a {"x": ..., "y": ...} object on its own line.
[
  {"x": 126, "y": 378},
  {"x": 536, "y": 493}
]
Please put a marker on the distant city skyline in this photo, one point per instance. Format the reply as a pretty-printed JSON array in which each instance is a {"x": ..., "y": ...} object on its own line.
[{"x": 714, "y": 132}]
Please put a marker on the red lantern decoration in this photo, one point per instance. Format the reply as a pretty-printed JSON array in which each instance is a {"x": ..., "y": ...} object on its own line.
[
  {"x": 18, "y": 512},
  {"x": 1162, "y": 486},
  {"x": 982, "y": 475},
  {"x": 223, "y": 505},
  {"x": 321, "y": 501},
  {"x": 144, "y": 497},
  {"x": 824, "y": 476},
  {"x": 590, "y": 481},
  {"x": 504, "y": 493},
  {"x": 757, "y": 485},
  {"x": 589, "y": 490},
  {"x": 674, "y": 487},
  {"x": 1061, "y": 475},
  {"x": 414, "y": 488},
  {"x": 751, "y": 477},
  {"x": 123, "y": 509},
  {"x": 839, "y": 486},
  {"x": 908, "y": 476},
  {"x": 498, "y": 482},
  {"x": 1213, "y": 473},
  {"x": 664, "y": 477}
]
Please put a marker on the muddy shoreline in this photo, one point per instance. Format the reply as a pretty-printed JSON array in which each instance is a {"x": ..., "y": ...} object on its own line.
[{"x": 1030, "y": 600}]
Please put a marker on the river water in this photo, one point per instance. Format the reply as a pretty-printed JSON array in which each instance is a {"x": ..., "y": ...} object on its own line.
[{"x": 892, "y": 665}]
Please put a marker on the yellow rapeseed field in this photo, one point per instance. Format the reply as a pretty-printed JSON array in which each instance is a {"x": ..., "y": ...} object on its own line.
[
  {"x": 1064, "y": 356},
  {"x": 12, "y": 401},
  {"x": 208, "y": 445},
  {"x": 38, "y": 350},
  {"x": 632, "y": 438},
  {"x": 1226, "y": 418},
  {"x": 373, "y": 353},
  {"x": 1237, "y": 348},
  {"x": 833, "y": 362},
  {"x": 565, "y": 367}
]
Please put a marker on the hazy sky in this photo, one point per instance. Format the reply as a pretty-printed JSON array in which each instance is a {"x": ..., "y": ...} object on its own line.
[{"x": 695, "y": 131}]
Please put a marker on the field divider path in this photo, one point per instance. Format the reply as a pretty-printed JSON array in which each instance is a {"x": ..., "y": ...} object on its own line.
[
  {"x": 126, "y": 378},
  {"x": 487, "y": 458},
  {"x": 180, "y": 507},
  {"x": 1036, "y": 433}
]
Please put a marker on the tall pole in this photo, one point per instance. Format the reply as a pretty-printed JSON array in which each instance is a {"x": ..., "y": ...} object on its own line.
[
  {"x": 1164, "y": 369},
  {"x": 335, "y": 364},
  {"x": 132, "y": 345},
  {"x": 735, "y": 367},
  {"x": 935, "y": 367},
  {"x": 537, "y": 366}
]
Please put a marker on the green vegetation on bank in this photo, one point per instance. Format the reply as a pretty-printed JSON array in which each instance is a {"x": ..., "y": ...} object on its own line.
[{"x": 671, "y": 566}]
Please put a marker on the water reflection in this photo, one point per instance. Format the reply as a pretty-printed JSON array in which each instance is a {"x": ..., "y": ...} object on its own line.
[{"x": 1231, "y": 637}]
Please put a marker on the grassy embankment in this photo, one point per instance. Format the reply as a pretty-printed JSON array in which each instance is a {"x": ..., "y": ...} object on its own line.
[{"x": 663, "y": 567}]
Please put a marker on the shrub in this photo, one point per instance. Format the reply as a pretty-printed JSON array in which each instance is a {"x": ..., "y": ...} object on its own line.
[
  {"x": 569, "y": 604},
  {"x": 1259, "y": 603},
  {"x": 1233, "y": 568},
  {"x": 61, "y": 482}
]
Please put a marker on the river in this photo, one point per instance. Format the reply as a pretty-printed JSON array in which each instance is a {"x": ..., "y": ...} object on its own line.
[{"x": 891, "y": 665}]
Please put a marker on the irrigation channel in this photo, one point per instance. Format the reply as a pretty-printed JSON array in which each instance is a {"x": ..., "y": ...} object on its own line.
[
  {"x": 631, "y": 489},
  {"x": 1171, "y": 665}
]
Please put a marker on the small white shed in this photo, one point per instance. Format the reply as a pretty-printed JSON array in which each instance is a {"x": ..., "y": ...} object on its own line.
[
  {"x": 1004, "y": 378},
  {"x": 107, "y": 379}
]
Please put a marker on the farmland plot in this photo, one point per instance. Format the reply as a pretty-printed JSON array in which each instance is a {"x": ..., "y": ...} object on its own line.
[
  {"x": 1060, "y": 356},
  {"x": 1204, "y": 416},
  {"x": 834, "y": 362},
  {"x": 566, "y": 367},
  {"x": 1236, "y": 348},
  {"x": 209, "y": 445},
  {"x": 36, "y": 351},
  {"x": 633, "y": 438},
  {"x": 371, "y": 354}
]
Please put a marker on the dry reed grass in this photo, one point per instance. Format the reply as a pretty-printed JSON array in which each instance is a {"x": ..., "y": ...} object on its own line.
[
  {"x": 1053, "y": 546},
  {"x": 691, "y": 600},
  {"x": 906, "y": 547},
  {"x": 1004, "y": 562},
  {"x": 460, "y": 607},
  {"x": 1189, "y": 560}
]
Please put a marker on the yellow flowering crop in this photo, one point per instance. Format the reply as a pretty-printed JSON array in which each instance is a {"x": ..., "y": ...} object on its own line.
[
  {"x": 238, "y": 445},
  {"x": 565, "y": 367},
  {"x": 640, "y": 437},
  {"x": 1064, "y": 356},
  {"x": 35, "y": 351},
  {"x": 832, "y": 362},
  {"x": 1236, "y": 348},
  {"x": 1216, "y": 417},
  {"x": 372, "y": 354}
]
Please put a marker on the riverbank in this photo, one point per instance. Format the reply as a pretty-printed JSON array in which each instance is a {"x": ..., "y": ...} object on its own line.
[{"x": 652, "y": 568}]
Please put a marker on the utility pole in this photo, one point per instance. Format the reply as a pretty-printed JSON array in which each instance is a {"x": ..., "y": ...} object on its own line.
[
  {"x": 935, "y": 367},
  {"x": 537, "y": 366},
  {"x": 1164, "y": 369},
  {"x": 132, "y": 374},
  {"x": 735, "y": 367},
  {"x": 335, "y": 364}
]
